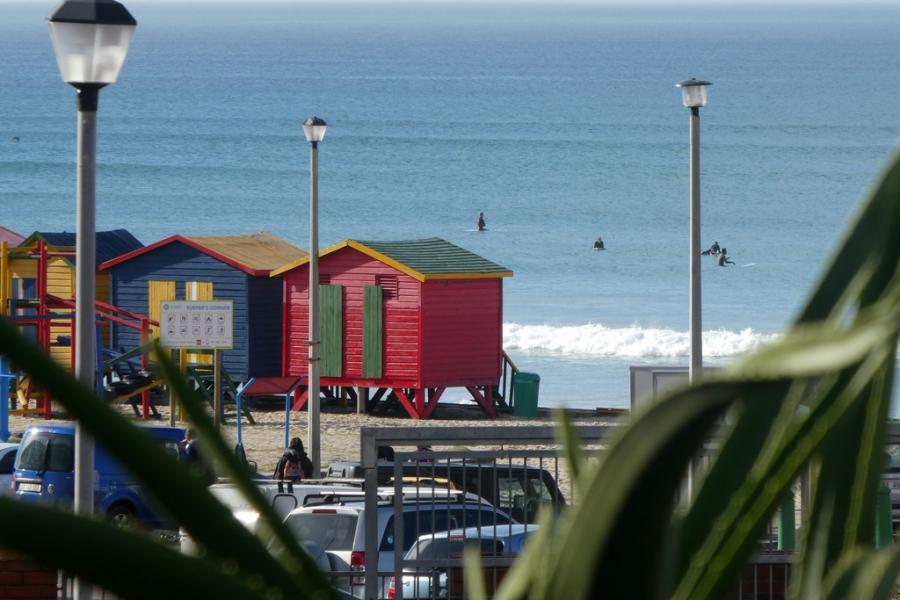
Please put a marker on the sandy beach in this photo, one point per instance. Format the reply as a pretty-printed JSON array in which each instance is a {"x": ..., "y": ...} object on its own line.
[{"x": 264, "y": 440}]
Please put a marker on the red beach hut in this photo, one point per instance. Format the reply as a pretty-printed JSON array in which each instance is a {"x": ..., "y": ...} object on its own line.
[{"x": 406, "y": 318}]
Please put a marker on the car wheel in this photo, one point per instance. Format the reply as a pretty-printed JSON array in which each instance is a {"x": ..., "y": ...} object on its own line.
[{"x": 122, "y": 516}]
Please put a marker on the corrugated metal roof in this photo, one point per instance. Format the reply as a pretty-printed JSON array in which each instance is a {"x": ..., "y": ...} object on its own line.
[
  {"x": 435, "y": 256},
  {"x": 9, "y": 236},
  {"x": 110, "y": 244},
  {"x": 258, "y": 251}
]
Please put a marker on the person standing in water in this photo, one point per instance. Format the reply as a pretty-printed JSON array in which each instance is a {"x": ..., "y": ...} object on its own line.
[
  {"x": 598, "y": 245},
  {"x": 481, "y": 225}
]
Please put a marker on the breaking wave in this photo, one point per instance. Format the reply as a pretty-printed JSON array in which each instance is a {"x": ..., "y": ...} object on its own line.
[{"x": 627, "y": 342}]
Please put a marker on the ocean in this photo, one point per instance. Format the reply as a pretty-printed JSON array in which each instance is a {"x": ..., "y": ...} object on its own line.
[{"x": 560, "y": 122}]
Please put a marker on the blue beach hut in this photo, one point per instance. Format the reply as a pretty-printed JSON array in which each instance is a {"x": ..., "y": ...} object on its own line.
[{"x": 232, "y": 268}]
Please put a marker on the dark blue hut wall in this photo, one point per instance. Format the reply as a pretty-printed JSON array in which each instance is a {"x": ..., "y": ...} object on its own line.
[
  {"x": 181, "y": 263},
  {"x": 265, "y": 326}
]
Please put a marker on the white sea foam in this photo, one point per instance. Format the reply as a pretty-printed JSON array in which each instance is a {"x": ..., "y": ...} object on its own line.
[{"x": 627, "y": 342}]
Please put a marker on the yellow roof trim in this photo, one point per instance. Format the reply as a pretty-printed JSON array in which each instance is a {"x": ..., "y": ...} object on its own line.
[
  {"x": 302, "y": 261},
  {"x": 494, "y": 275},
  {"x": 386, "y": 260},
  {"x": 390, "y": 262}
]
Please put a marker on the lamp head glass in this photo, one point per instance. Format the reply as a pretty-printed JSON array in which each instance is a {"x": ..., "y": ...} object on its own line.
[
  {"x": 693, "y": 92},
  {"x": 314, "y": 130},
  {"x": 90, "y": 40}
]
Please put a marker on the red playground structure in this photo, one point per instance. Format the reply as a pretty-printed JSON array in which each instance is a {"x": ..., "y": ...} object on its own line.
[{"x": 407, "y": 319}]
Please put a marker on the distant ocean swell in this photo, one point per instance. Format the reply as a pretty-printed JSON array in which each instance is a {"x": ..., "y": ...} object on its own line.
[{"x": 627, "y": 342}]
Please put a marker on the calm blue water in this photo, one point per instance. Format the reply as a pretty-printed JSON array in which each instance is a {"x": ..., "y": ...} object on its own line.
[{"x": 559, "y": 123}]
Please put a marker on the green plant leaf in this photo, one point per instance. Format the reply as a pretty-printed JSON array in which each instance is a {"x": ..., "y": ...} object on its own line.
[
  {"x": 849, "y": 468},
  {"x": 626, "y": 502},
  {"x": 871, "y": 239},
  {"x": 293, "y": 557},
  {"x": 475, "y": 589},
  {"x": 127, "y": 564},
  {"x": 182, "y": 494},
  {"x": 570, "y": 443},
  {"x": 754, "y": 416},
  {"x": 864, "y": 574}
]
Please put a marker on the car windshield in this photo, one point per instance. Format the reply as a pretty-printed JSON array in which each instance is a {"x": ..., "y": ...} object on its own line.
[
  {"x": 332, "y": 531},
  {"x": 45, "y": 451}
]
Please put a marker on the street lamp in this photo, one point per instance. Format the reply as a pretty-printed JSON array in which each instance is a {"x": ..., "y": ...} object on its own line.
[
  {"x": 90, "y": 40},
  {"x": 314, "y": 130},
  {"x": 694, "y": 96}
]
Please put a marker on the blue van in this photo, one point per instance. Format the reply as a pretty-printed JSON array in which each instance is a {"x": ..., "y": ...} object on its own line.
[{"x": 45, "y": 472}]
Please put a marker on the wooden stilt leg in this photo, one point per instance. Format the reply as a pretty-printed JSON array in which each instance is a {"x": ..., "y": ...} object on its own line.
[
  {"x": 300, "y": 397},
  {"x": 484, "y": 402},
  {"x": 432, "y": 402},
  {"x": 404, "y": 400}
]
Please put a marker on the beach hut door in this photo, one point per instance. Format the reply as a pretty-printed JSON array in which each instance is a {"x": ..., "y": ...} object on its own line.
[
  {"x": 331, "y": 330},
  {"x": 157, "y": 293},
  {"x": 373, "y": 327}
]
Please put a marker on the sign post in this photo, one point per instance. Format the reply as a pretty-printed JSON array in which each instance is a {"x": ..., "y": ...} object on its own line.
[{"x": 198, "y": 325}]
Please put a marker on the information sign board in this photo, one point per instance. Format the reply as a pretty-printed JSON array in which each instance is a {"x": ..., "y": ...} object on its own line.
[{"x": 195, "y": 325}]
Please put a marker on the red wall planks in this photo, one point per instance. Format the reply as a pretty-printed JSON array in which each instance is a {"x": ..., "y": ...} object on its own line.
[
  {"x": 462, "y": 322},
  {"x": 440, "y": 333},
  {"x": 354, "y": 270}
]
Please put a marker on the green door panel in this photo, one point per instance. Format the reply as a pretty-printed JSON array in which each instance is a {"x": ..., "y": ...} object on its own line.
[
  {"x": 331, "y": 325},
  {"x": 373, "y": 331}
]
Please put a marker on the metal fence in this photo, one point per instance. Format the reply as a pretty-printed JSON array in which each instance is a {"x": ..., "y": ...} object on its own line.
[
  {"x": 516, "y": 469},
  {"x": 421, "y": 493}
]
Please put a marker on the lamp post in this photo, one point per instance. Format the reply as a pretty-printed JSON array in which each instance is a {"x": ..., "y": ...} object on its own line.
[
  {"x": 694, "y": 96},
  {"x": 90, "y": 40},
  {"x": 314, "y": 130}
]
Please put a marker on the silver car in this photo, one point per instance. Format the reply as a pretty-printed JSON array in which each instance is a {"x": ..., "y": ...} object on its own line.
[
  {"x": 339, "y": 527},
  {"x": 432, "y": 569}
]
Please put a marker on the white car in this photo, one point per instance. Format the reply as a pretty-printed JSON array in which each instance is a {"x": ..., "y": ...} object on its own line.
[
  {"x": 284, "y": 498},
  {"x": 438, "y": 554},
  {"x": 8, "y": 453},
  {"x": 338, "y": 525}
]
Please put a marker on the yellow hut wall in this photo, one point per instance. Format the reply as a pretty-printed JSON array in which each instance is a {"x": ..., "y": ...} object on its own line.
[{"x": 60, "y": 283}]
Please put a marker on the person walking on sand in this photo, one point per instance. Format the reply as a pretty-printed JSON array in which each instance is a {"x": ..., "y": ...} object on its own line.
[
  {"x": 294, "y": 465},
  {"x": 481, "y": 225},
  {"x": 723, "y": 258},
  {"x": 194, "y": 458}
]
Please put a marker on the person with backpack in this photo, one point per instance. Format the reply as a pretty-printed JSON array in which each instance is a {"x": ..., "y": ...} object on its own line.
[
  {"x": 294, "y": 465},
  {"x": 194, "y": 458}
]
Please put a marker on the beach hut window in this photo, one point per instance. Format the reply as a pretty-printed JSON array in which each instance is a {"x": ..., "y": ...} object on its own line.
[
  {"x": 197, "y": 291},
  {"x": 388, "y": 284}
]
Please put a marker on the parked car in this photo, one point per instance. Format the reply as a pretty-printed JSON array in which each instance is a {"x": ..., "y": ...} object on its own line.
[
  {"x": 7, "y": 461},
  {"x": 45, "y": 472},
  {"x": 891, "y": 478},
  {"x": 436, "y": 577},
  {"x": 283, "y": 496},
  {"x": 339, "y": 526},
  {"x": 518, "y": 489}
]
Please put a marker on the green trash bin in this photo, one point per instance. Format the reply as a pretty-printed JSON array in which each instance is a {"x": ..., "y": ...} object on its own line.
[{"x": 525, "y": 394}]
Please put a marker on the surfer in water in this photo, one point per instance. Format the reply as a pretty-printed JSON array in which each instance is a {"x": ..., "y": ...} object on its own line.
[
  {"x": 598, "y": 245},
  {"x": 713, "y": 250},
  {"x": 481, "y": 225},
  {"x": 723, "y": 258}
]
